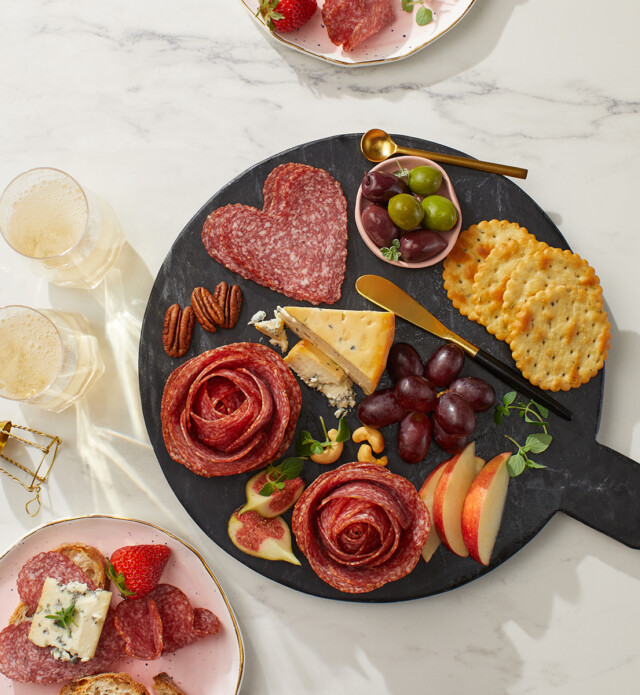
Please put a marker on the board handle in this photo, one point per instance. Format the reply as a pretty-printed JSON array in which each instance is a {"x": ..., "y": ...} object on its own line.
[{"x": 605, "y": 495}]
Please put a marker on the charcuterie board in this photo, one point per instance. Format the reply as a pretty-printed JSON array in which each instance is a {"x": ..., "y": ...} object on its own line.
[{"x": 582, "y": 478}]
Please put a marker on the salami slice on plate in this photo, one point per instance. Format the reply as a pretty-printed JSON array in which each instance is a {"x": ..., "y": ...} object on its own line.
[{"x": 139, "y": 624}]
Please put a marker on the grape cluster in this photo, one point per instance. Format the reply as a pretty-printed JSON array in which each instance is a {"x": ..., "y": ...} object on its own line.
[{"x": 448, "y": 416}]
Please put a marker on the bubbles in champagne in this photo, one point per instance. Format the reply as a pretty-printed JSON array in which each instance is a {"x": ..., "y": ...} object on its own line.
[
  {"x": 30, "y": 352},
  {"x": 48, "y": 217}
]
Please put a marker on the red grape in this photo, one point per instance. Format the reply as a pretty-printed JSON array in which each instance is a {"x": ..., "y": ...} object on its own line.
[
  {"x": 444, "y": 365},
  {"x": 477, "y": 392},
  {"x": 447, "y": 442},
  {"x": 403, "y": 360},
  {"x": 414, "y": 437},
  {"x": 414, "y": 392},
  {"x": 380, "y": 409},
  {"x": 455, "y": 415}
]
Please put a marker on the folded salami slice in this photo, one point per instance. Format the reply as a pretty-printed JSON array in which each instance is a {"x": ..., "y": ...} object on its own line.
[
  {"x": 50, "y": 564},
  {"x": 350, "y": 22},
  {"x": 230, "y": 410},
  {"x": 181, "y": 623},
  {"x": 138, "y": 622},
  {"x": 23, "y": 661},
  {"x": 295, "y": 245},
  {"x": 361, "y": 526}
]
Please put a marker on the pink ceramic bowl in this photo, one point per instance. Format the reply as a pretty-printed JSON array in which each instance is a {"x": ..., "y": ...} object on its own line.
[{"x": 446, "y": 190}]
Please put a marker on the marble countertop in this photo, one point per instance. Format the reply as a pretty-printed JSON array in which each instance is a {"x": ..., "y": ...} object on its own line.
[{"x": 155, "y": 105}]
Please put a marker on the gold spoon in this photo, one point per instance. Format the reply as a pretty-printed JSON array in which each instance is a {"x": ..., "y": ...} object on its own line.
[{"x": 376, "y": 146}]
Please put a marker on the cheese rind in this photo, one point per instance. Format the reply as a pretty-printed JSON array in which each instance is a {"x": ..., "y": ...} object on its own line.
[
  {"x": 321, "y": 373},
  {"x": 81, "y": 638},
  {"x": 358, "y": 341}
]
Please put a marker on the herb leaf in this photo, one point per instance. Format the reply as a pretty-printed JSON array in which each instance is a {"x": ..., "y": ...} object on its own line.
[
  {"x": 532, "y": 413},
  {"x": 64, "y": 617},
  {"x": 407, "y": 5},
  {"x": 423, "y": 16},
  {"x": 287, "y": 469},
  {"x": 307, "y": 445},
  {"x": 392, "y": 252}
]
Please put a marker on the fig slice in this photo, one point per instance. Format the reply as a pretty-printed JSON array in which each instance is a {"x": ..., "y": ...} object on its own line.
[
  {"x": 270, "y": 506},
  {"x": 269, "y": 539}
]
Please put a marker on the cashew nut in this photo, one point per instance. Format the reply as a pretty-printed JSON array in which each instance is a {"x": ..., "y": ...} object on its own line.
[
  {"x": 371, "y": 435},
  {"x": 365, "y": 455},
  {"x": 332, "y": 453}
]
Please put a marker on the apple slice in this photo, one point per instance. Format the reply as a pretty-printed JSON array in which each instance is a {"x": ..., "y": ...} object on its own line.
[
  {"x": 427, "y": 492},
  {"x": 483, "y": 507},
  {"x": 449, "y": 497}
]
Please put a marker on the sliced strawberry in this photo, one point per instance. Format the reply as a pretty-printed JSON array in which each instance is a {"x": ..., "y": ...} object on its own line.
[
  {"x": 136, "y": 569},
  {"x": 286, "y": 15}
]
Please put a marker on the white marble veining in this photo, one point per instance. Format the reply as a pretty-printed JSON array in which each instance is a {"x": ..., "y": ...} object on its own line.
[{"x": 155, "y": 105}]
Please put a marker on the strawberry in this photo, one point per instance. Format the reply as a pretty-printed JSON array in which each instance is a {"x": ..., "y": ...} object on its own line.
[
  {"x": 136, "y": 569},
  {"x": 286, "y": 15}
]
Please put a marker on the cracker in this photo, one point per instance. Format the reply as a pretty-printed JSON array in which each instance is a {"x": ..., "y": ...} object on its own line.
[
  {"x": 491, "y": 280},
  {"x": 560, "y": 337},
  {"x": 542, "y": 269},
  {"x": 471, "y": 248}
]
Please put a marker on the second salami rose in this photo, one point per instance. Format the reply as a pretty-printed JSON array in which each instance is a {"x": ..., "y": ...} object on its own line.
[
  {"x": 361, "y": 526},
  {"x": 230, "y": 410}
]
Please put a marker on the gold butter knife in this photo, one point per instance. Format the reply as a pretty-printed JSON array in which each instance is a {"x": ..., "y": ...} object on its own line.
[{"x": 389, "y": 296}]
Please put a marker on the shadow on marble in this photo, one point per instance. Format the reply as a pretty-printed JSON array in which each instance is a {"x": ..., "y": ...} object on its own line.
[
  {"x": 462, "y": 48},
  {"x": 105, "y": 459}
]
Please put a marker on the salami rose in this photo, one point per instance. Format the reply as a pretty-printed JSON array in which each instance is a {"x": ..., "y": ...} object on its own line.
[
  {"x": 361, "y": 526},
  {"x": 230, "y": 410}
]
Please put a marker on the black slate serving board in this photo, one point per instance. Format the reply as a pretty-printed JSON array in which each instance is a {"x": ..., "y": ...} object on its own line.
[{"x": 584, "y": 479}]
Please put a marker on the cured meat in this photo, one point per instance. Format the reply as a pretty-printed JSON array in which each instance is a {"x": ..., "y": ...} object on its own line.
[
  {"x": 181, "y": 623},
  {"x": 52, "y": 564},
  {"x": 23, "y": 661},
  {"x": 361, "y": 526},
  {"x": 230, "y": 410},
  {"x": 139, "y": 624},
  {"x": 295, "y": 245},
  {"x": 350, "y": 22}
]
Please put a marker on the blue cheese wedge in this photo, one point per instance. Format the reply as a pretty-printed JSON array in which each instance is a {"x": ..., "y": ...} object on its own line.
[
  {"x": 80, "y": 638},
  {"x": 357, "y": 341},
  {"x": 320, "y": 373}
]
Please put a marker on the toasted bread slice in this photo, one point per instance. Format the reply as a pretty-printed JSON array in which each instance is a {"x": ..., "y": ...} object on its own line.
[
  {"x": 104, "y": 684},
  {"x": 20, "y": 614},
  {"x": 163, "y": 684},
  {"x": 89, "y": 559}
]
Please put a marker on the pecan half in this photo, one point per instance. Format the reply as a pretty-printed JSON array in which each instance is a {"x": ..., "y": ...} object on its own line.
[
  {"x": 208, "y": 312},
  {"x": 230, "y": 300},
  {"x": 177, "y": 330}
]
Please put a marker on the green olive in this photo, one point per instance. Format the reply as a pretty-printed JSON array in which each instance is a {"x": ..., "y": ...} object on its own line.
[
  {"x": 405, "y": 211},
  {"x": 424, "y": 180},
  {"x": 440, "y": 214}
]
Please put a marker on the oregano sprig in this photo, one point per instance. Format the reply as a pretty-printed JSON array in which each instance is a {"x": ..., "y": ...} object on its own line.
[
  {"x": 532, "y": 413},
  {"x": 392, "y": 252},
  {"x": 288, "y": 469},
  {"x": 64, "y": 617},
  {"x": 307, "y": 445},
  {"x": 423, "y": 16}
]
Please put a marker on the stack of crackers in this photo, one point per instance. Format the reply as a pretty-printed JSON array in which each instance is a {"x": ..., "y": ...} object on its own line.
[{"x": 544, "y": 302}]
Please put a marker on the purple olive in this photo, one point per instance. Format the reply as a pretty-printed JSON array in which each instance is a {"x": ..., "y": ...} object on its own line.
[
  {"x": 421, "y": 245},
  {"x": 380, "y": 187},
  {"x": 378, "y": 225}
]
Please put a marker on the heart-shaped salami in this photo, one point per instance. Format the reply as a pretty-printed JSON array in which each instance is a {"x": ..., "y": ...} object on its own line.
[{"x": 295, "y": 245}]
